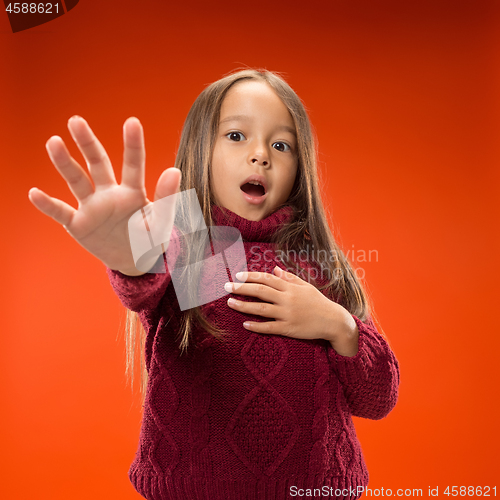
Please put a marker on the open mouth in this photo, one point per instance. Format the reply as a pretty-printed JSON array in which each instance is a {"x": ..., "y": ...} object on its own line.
[{"x": 253, "y": 189}]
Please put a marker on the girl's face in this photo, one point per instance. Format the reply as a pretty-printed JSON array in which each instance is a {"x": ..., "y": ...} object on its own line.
[{"x": 256, "y": 136}]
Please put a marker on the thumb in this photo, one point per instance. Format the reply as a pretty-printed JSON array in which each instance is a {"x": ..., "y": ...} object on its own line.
[
  {"x": 161, "y": 213},
  {"x": 168, "y": 183}
]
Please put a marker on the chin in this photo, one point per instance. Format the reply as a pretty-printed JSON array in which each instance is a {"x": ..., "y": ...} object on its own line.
[{"x": 248, "y": 211}]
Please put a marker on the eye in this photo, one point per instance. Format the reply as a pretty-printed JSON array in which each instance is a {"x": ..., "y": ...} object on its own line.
[
  {"x": 232, "y": 136},
  {"x": 283, "y": 147}
]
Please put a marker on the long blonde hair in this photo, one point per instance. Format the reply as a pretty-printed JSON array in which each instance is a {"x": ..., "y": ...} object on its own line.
[{"x": 309, "y": 225}]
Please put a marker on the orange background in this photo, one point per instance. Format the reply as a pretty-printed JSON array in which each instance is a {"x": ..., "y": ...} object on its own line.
[{"x": 403, "y": 96}]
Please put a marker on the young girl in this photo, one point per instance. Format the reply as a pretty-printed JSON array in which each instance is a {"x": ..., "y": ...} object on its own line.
[{"x": 251, "y": 397}]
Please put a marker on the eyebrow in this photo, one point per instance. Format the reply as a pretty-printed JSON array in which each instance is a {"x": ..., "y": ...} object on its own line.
[{"x": 246, "y": 118}]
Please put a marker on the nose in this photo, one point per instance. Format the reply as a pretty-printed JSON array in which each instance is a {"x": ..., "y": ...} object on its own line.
[
  {"x": 258, "y": 159},
  {"x": 260, "y": 156}
]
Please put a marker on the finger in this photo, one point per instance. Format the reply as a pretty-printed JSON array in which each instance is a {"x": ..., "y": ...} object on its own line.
[
  {"x": 268, "y": 327},
  {"x": 134, "y": 154},
  {"x": 161, "y": 213},
  {"x": 258, "y": 290},
  {"x": 168, "y": 183},
  {"x": 266, "y": 278},
  {"x": 59, "y": 210},
  {"x": 77, "y": 179},
  {"x": 286, "y": 275},
  {"x": 94, "y": 153},
  {"x": 257, "y": 308}
]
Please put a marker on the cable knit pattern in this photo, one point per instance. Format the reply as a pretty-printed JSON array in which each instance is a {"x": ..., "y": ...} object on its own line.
[
  {"x": 252, "y": 417},
  {"x": 200, "y": 402},
  {"x": 365, "y": 395}
]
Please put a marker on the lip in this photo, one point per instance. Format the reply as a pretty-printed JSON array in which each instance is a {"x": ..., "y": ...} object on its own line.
[
  {"x": 254, "y": 200},
  {"x": 258, "y": 178}
]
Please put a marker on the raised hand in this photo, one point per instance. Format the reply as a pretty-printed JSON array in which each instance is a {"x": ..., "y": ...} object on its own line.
[{"x": 100, "y": 224}]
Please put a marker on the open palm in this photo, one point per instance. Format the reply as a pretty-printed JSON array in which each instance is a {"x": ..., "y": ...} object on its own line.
[{"x": 100, "y": 224}]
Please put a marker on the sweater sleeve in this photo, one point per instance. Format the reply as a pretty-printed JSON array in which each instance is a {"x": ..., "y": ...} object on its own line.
[
  {"x": 144, "y": 292},
  {"x": 370, "y": 379}
]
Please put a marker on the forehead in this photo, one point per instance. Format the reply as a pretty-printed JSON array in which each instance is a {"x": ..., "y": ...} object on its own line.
[{"x": 248, "y": 100}]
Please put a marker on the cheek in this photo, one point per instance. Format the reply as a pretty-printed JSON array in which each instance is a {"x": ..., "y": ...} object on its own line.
[
  {"x": 220, "y": 160},
  {"x": 223, "y": 166}
]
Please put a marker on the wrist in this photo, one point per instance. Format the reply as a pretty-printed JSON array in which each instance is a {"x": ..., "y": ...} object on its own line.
[
  {"x": 344, "y": 334},
  {"x": 143, "y": 265}
]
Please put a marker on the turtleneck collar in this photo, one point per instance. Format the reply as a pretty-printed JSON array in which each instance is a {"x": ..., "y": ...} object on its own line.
[{"x": 250, "y": 230}]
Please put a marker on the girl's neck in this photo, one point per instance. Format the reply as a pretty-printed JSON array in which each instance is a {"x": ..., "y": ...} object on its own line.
[{"x": 261, "y": 230}]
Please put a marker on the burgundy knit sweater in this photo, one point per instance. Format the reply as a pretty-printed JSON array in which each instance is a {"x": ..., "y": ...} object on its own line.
[{"x": 257, "y": 417}]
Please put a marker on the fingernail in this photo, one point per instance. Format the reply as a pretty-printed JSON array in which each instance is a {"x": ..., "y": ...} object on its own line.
[
  {"x": 74, "y": 117},
  {"x": 228, "y": 287},
  {"x": 132, "y": 119}
]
